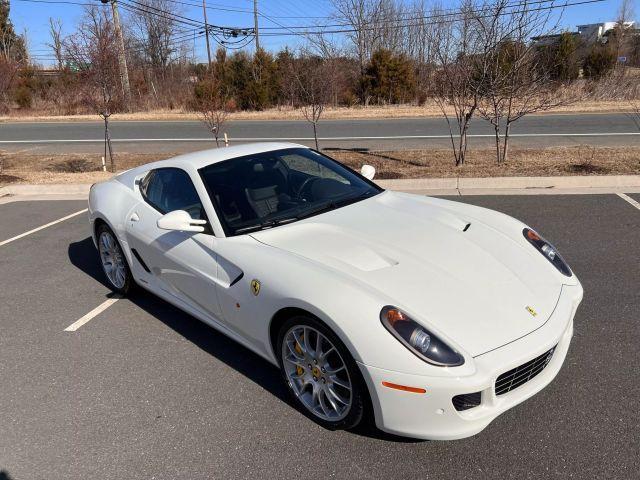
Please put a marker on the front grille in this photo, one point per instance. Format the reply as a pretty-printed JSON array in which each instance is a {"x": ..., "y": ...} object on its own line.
[
  {"x": 466, "y": 401},
  {"x": 522, "y": 374}
]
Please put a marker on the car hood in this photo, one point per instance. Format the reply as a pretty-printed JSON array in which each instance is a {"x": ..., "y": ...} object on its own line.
[{"x": 476, "y": 284}]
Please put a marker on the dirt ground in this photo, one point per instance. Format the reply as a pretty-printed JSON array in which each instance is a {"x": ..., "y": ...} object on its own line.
[
  {"x": 394, "y": 111},
  {"x": 558, "y": 161}
]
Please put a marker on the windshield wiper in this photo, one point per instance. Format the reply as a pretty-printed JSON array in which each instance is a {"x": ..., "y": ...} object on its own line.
[
  {"x": 266, "y": 224},
  {"x": 332, "y": 205}
]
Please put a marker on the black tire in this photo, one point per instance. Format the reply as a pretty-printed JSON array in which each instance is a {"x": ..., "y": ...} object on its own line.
[
  {"x": 128, "y": 282},
  {"x": 360, "y": 393}
]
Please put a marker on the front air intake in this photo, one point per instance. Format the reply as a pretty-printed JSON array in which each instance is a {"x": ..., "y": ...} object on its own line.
[
  {"x": 466, "y": 401},
  {"x": 520, "y": 375}
]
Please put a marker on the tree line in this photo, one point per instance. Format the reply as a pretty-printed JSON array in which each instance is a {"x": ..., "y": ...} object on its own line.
[{"x": 477, "y": 60}]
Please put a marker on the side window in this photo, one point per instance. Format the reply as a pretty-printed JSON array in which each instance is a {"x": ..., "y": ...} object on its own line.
[{"x": 169, "y": 189}]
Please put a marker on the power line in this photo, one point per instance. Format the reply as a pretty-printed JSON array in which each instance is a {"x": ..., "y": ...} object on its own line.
[
  {"x": 141, "y": 7},
  {"x": 65, "y": 2},
  {"x": 375, "y": 25},
  {"x": 443, "y": 13},
  {"x": 213, "y": 6},
  {"x": 223, "y": 30}
]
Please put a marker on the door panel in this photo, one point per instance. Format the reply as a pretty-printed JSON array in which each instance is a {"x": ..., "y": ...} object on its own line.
[{"x": 182, "y": 264}]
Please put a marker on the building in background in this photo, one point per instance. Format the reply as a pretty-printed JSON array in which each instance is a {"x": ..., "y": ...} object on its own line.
[{"x": 587, "y": 34}]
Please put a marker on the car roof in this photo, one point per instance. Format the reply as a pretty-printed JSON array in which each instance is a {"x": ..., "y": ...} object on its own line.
[
  {"x": 196, "y": 160},
  {"x": 207, "y": 157}
]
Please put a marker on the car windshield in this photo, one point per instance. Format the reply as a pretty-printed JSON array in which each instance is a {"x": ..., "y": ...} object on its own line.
[{"x": 282, "y": 186}]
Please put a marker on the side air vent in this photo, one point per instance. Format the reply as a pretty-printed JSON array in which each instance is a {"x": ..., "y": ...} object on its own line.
[{"x": 140, "y": 261}]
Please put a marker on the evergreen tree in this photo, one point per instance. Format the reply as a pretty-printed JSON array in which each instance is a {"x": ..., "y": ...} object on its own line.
[
  {"x": 12, "y": 46},
  {"x": 390, "y": 78}
]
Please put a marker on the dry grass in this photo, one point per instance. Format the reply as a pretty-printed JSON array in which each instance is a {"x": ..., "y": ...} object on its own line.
[
  {"x": 557, "y": 161},
  {"x": 430, "y": 109}
]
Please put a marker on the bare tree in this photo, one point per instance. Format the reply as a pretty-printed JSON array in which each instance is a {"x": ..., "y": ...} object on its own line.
[
  {"x": 212, "y": 104},
  {"x": 515, "y": 81},
  {"x": 57, "y": 40},
  {"x": 626, "y": 11},
  {"x": 313, "y": 90},
  {"x": 8, "y": 72},
  {"x": 93, "y": 51},
  {"x": 621, "y": 37},
  {"x": 456, "y": 84},
  {"x": 155, "y": 27},
  {"x": 12, "y": 46},
  {"x": 360, "y": 16}
]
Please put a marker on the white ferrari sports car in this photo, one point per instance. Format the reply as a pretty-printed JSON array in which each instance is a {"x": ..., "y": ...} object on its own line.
[{"x": 431, "y": 315}]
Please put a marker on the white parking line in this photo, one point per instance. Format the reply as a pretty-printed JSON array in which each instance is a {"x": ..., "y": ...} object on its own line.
[
  {"x": 92, "y": 314},
  {"x": 9, "y": 240},
  {"x": 630, "y": 200}
]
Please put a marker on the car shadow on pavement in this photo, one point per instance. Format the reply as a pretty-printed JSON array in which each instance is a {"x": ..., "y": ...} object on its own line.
[{"x": 83, "y": 255}]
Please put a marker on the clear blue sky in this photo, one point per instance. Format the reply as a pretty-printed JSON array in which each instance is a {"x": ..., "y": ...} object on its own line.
[{"x": 33, "y": 17}]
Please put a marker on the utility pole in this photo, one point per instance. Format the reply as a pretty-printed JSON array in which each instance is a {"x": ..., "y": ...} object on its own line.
[
  {"x": 206, "y": 31},
  {"x": 255, "y": 23},
  {"x": 122, "y": 59}
]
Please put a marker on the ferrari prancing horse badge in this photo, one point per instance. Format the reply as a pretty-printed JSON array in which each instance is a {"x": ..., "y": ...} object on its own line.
[{"x": 255, "y": 286}]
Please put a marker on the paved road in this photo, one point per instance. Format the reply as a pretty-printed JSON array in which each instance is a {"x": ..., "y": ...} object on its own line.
[
  {"x": 181, "y": 136},
  {"x": 145, "y": 391}
]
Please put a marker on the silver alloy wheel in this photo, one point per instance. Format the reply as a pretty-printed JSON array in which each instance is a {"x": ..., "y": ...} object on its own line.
[
  {"x": 317, "y": 373},
  {"x": 113, "y": 262}
]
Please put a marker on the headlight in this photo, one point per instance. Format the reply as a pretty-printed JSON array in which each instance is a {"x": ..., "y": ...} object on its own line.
[
  {"x": 418, "y": 339},
  {"x": 547, "y": 250}
]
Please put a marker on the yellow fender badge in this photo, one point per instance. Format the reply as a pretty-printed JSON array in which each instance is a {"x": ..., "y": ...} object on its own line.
[
  {"x": 255, "y": 287},
  {"x": 531, "y": 311}
]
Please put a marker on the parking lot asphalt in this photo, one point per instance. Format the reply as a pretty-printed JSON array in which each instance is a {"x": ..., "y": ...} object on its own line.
[{"x": 145, "y": 391}]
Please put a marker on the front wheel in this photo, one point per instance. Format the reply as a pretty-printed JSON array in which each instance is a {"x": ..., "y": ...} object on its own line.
[
  {"x": 320, "y": 373},
  {"x": 114, "y": 264}
]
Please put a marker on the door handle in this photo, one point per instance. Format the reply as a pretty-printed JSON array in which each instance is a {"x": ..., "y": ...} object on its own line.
[{"x": 134, "y": 217}]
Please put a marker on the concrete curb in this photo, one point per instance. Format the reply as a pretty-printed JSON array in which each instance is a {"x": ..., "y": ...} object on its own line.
[
  {"x": 498, "y": 183},
  {"x": 72, "y": 189},
  {"x": 432, "y": 186}
]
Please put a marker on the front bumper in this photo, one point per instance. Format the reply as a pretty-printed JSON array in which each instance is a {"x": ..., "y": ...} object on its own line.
[{"x": 432, "y": 415}]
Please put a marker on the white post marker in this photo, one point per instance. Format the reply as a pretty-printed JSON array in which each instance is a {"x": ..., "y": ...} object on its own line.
[
  {"x": 93, "y": 313},
  {"x": 9, "y": 240},
  {"x": 627, "y": 198},
  {"x": 226, "y": 140},
  {"x": 104, "y": 165}
]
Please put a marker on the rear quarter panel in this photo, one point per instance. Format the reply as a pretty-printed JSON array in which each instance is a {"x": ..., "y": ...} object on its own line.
[{"x": 110, "y": 202}]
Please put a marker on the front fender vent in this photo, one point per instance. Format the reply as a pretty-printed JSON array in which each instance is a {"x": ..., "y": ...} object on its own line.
[{"x": 140, "y": 261}]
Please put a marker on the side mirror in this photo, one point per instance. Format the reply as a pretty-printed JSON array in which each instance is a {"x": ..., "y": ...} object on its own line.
[
  {"x": 181, "y": 221},
  {"x": 368, "y": 171}
]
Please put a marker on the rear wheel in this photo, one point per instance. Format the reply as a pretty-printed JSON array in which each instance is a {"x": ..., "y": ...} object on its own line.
[
  {"x": 114, "y": 264},
  {"x": 320, "y": 373}
]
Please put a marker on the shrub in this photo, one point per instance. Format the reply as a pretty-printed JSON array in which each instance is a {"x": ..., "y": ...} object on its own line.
[
  {"x": 23, "y": 97},
  {"x": 390, "y": 78},
  {"x": 599, "y": 62}
]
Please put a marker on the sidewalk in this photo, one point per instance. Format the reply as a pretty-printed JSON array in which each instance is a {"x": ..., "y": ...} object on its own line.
[{"x": 424, "y": 186}]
